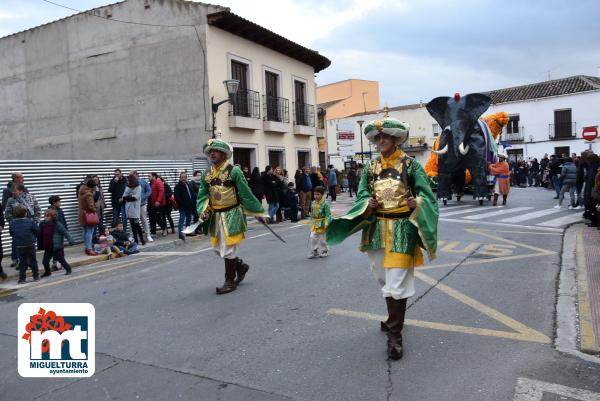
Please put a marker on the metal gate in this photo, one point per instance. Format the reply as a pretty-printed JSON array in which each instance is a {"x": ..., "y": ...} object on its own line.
[{"x": 44, "y": 178}]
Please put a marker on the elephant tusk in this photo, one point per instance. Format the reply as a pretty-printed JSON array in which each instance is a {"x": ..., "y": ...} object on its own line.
[
  {"x": 463, "y": 150},
  {"x": 442, "y": 151}
]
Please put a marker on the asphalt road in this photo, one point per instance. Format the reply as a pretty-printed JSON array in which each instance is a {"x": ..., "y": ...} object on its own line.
[{"x": 481, "y": 324}]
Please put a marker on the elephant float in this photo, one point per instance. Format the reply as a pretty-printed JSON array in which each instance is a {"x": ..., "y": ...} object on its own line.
[{"x": 466, "y": 144}]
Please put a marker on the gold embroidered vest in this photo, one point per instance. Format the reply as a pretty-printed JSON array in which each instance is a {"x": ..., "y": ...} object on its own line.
[
  {"x": 389, "y": 186},
  {"x": 223, "y": 193}
]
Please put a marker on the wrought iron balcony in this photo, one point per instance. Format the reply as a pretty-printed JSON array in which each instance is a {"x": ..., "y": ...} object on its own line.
[
  {"x": 513, "y": 135},
  {"x": 560, "y": 131},
  {"x": 276, "y": 109},
  {"x": 246, "y": 104},
  {"x": 304, "y": 114}
]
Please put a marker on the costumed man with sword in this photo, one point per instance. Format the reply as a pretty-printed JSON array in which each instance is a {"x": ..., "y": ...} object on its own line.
[
  {"x": 398, "y": 214},
  {"x": 224, "y": 199}
]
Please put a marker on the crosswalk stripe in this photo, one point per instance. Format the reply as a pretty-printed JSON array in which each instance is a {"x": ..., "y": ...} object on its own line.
[
  {"x": 530, "y": 216},
  {"x": 561, "y": 221},
  {"x": 498, "y": 213},
  {"x": 473, "y": 209},
  {"x": 450, "y": 208}
]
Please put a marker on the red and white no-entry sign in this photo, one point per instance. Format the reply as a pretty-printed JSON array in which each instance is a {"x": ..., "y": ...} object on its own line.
[{"x": 590, "y": 133}]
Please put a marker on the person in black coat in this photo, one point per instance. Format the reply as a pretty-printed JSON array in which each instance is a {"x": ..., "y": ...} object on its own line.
[
  {"x": 116, "y": 187},
  {"x": 169, "y": 205},
  {"x": 186, "y": 201},
  {"x": 3, "y": 275},
  {"x": 272, "y": 185},
  {"x": 291, "y": 203},
  {"x": 592, "y": 165},
  {"x": 256, "y": 184}
]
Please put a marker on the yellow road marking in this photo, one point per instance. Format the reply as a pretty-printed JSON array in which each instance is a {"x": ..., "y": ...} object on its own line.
[
  {"x": 501, "y": 239},
  {"x": 484, "y": 261},
  {"x": 439, "y": 326},
  {"x": 588, "y": 338},
  {"x": 526, "y": 332},
  {"x": 539, "y": 252},
  {"x": 76, "y": 277}
]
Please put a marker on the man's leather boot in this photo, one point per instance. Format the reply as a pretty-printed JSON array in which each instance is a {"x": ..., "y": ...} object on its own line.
[
  {"x": 241, "y": 269},
  {"x": 384, "y": 325},
  {"x": 495, "y": 200},
  {"x": 396, "y": 324},
  {"x": 504, "y": 200},
  {"x": 229, "y": 284}
]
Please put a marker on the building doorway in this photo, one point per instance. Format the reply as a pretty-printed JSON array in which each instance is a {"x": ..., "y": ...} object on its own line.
[
  {"x": 562, "y": 150},
  {"x": 322, "y": 160},
  {"x": 515, "y": 155},
  {"x": 243, "y": 157},
  {"x": 303, "y": 159},
  {"x": 276, "y": 158}
]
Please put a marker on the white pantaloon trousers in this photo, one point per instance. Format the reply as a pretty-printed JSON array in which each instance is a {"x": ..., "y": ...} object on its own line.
[
  {"x": 222, "y": 249},
  {"x": 318, "y": 242},
  {"x": 396, "y": 282}
]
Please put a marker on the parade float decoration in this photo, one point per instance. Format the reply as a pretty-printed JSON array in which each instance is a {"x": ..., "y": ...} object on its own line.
[{"x": 465, "y": 146}]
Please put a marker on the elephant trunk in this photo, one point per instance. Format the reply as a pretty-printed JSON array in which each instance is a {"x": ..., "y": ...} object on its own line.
[{"x": 463, "y": 148}]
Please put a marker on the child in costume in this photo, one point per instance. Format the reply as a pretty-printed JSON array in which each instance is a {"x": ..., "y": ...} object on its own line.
[{"x": 320, "y": 217}]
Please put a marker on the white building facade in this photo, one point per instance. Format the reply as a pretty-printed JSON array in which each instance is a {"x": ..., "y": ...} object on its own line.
[
  {"x": 546, "y": 117},
  {"x": 549, "y": 124}
]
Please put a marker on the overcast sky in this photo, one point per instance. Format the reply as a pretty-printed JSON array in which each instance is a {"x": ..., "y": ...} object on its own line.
[{"x": 416, "y": 49}]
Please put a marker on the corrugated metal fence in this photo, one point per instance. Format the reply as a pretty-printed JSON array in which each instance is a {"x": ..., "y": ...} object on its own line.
[{"x": 44, "y": 178}]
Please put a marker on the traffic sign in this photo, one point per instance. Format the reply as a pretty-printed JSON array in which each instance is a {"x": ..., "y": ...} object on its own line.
[
  {"x": 345, "y": 135},
  {"x": 590, "y": 133}
]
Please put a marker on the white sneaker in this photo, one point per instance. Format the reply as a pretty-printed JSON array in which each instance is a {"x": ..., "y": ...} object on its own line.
[
  {"x": 324, "y": 254},
  {"x": 571, "y": 207},
  {"x": 313, "y": 255},
  {"x": 149, "y": 239},
  {"x": 557, "y": 207},
  {"x": 578, "y": 207}
]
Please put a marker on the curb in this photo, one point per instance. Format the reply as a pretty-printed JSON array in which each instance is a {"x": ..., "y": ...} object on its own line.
[
  {"x": 571, "y": 320},
  {"x": 14, "y": 274},
  {"x": 589, "y": 343}
]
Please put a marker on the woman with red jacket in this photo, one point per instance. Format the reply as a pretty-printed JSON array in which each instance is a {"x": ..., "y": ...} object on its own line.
[{"x": 156, "y": 206}]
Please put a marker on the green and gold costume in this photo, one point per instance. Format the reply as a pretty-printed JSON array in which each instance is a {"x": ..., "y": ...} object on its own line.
[
  {"x": 225, "y": 194},
  {"x": 320, "y": 216},
  {"x": 393, "y": 226}
]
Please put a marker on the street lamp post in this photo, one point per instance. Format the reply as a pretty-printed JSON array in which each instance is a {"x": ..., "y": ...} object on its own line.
[
  {"x": 232, "y": 86},
  {"x": 362, "y": 154}
]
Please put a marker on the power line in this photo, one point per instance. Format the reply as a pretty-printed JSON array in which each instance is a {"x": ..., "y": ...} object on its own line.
[
  {"x": 204, "y": 78},
  {"x": 117, "y": 20}
]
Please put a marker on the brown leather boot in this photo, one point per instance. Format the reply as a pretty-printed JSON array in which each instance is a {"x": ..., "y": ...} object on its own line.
[
  {"x": 504, "y": 200},
  {"x": 241, "y": 269},
  {"x": 396, "y": 324},
  {"x": 229, "y": 284},
  {"x": 384, "y": 325},
  {"x": 495, "y": 200}
]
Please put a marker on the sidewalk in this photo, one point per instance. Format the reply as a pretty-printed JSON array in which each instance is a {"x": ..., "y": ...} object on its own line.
[
  {"x": 76, "y": 257},
  {"x": 587, "y": 253}
]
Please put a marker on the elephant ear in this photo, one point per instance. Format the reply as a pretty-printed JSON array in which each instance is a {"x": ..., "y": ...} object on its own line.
[
  {"x": 437, "y": 108},
  {"x": 476, "y": 104}
]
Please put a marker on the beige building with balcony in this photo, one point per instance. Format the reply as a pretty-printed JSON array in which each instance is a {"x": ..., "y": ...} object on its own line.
[{"x": 272, "y": 120}]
